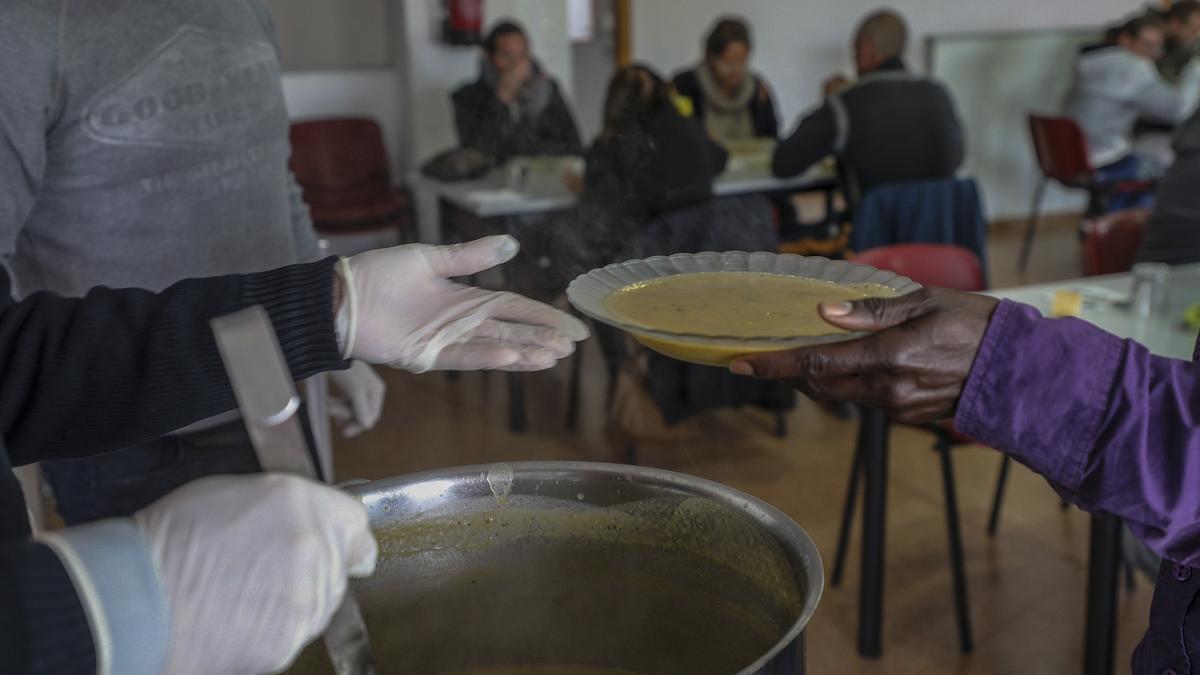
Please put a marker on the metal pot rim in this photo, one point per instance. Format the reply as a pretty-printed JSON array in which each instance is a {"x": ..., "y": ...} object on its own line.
[{"x": 789, "y": 533}]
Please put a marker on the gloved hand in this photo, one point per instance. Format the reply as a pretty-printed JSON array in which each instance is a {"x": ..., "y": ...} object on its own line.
[
  {"x": 356, "y": 398},
  {"x": 400, "y": 308},
  {"x": 253, "y": 567}
]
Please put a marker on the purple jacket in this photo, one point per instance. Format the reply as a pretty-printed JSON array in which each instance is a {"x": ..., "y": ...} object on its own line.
[{"x": 1113, "y": 428}]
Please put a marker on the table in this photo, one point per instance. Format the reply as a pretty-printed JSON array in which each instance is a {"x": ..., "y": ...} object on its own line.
[
  {"x": 1163, "y": 334},
  {"x": 543, "y": 191},
  {"x": 489, "y": 201}
]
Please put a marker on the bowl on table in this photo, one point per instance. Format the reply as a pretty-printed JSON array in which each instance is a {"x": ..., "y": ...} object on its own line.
[{"x": 709, "y": 308}]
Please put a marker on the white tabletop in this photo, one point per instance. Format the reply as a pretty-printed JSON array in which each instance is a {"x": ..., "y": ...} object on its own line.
[
  {"x": 544, "y": 191},
  {"x": 1163, "y": 333}
]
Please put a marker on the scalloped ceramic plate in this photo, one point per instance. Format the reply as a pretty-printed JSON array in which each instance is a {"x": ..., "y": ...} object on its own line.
[{"x": 590, "y": 292}]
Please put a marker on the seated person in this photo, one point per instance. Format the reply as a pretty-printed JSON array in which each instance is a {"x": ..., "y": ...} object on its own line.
[
  {"x": 1173, "y": 234},
  {"x": 649, "y": 158},
  {"x": 1182, "y": 23},
  {"x": 890, "y": 126},
  {"x": 733, "y": 103},
  {"x": 1115, "y": 85},
  {"x": 514, "y": 108}
]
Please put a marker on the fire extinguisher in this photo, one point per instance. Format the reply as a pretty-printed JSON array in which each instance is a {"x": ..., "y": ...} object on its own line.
[{"x": 463, "y": 22}]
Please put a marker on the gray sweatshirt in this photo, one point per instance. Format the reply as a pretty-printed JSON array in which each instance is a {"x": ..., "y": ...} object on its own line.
[
  {"x": 143, "y": 142},
  {"x": 1112, "y": 88}
]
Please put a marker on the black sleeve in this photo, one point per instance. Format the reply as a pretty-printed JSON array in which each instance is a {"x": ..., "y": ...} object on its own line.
[
  {"x": 812, "y": 141},
  {"x": 120, "y": 367},
  {"x": 559, "y": 133},
  {"x": 482, "y": 122},
  {"x": 718, "y": 155},
  {"x": 43, "y": 628},
  {"x": 958, "y": 141},
  {"x": 619, "y": 177},
  {"x": 766, "y": 123}
]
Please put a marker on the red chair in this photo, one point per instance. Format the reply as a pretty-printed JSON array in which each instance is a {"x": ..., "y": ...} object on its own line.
[
  {"x": 946, "y": 266},
  {"x": 342, "y": 166},
  {"x": 1111, "y": 242},
  {"x": 1062, "y": 154}
]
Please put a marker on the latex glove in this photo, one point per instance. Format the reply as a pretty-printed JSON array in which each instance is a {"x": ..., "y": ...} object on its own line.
[
  {"x": 253, "y": 567},
  {"x": 400, "y": 308},
  {"x": 356, "y": 398}
]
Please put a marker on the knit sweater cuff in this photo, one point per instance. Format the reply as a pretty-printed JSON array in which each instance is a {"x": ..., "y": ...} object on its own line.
[
  {"x": 114, "y": 576},
  {"x": 299, "y": 300},
  {"x": 49, "y": 631}
]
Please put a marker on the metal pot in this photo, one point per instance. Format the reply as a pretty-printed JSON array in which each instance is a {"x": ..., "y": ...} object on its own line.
[{"x": 613, "y": 569}]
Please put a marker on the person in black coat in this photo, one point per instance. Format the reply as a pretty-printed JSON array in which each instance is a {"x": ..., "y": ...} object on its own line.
[
  {"x": 515, "y": 108},
  {"x": 733, "y": 103},
  {"x": 648, "y": 191},
  {"x": 890, "y": 126},
  {"x": 649, "y": 159}
]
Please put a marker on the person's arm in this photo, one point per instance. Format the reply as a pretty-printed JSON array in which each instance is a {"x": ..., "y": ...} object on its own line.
[
  {"x": 1113, "y": 427},
  {"x": 812, "y": 141},
  {"x": 119, "y": 367},
  {"x": 207, "y": 579},
  {"x": 717, "y": 153},
  {"x": 1159, "y": 100},
  {"x": 559, "y": 135},
  {"x": 482, "y": 121},
  {"x": 766, "y": 121}
]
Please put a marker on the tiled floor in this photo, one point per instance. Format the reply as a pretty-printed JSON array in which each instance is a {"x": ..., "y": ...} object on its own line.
[{"x": 1026, "y": 584}]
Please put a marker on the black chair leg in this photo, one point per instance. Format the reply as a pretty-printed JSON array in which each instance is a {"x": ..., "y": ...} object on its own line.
[
  {"x": 1031, "y": 228},
  {"x": 573, "y": 387},
  {"x": 781, "y": 425},
  {"x": 631, "y": 453},
  {"x": 839, "y": 559},
  {"x": 517, "y": 420},
  {"x": 957, "y": 567},
  {"x": 998, "y": 497}
]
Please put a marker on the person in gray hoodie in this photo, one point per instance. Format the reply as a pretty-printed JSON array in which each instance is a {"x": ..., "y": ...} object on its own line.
[
  {"x": 1115, "y": 85},
  {"x": 142, "y": 143}
]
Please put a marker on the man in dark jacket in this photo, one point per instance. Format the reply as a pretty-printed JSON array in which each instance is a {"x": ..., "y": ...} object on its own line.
[
  {"x": 514, "y": 108},
  {"x": 889, "y": 126}
]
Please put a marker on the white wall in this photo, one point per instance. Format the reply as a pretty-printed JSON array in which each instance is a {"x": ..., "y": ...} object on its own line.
[
  {"x": 434, "y": 69},
  {"x": 799, "y": 42},
  {"x": 431, "y": 70},
  {"x": 371, "y": 93},
  {"x": 997, "y": 81}
]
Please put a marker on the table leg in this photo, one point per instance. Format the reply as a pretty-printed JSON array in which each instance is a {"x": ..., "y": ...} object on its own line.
[
  {"x": 517, "y": 422},
  {"x": 1100, "y": 631},
  {"x": 872, "y": 446}
]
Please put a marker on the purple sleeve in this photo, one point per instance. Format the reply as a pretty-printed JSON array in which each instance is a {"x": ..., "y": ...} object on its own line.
[{"x": 1111, "y": 426}]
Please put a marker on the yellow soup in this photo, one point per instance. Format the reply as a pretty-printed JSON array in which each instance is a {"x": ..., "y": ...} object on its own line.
[{"x": 733, "y": 304}]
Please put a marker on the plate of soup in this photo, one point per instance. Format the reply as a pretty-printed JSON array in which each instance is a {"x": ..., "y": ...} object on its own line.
[{"x": 709, "y": 308}]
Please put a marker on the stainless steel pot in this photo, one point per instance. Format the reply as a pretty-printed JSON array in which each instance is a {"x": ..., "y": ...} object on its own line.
[{"x": 613, "y": 567}]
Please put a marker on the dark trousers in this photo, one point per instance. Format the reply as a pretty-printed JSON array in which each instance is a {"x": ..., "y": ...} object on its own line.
[{"x": 116, "y": 484}]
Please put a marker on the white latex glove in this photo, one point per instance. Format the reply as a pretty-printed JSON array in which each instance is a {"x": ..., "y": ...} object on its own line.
[
  {"x": 400, "y": 308},
  {"x": 356, "y": 398},
  {"x": 253, "y": 567}
]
